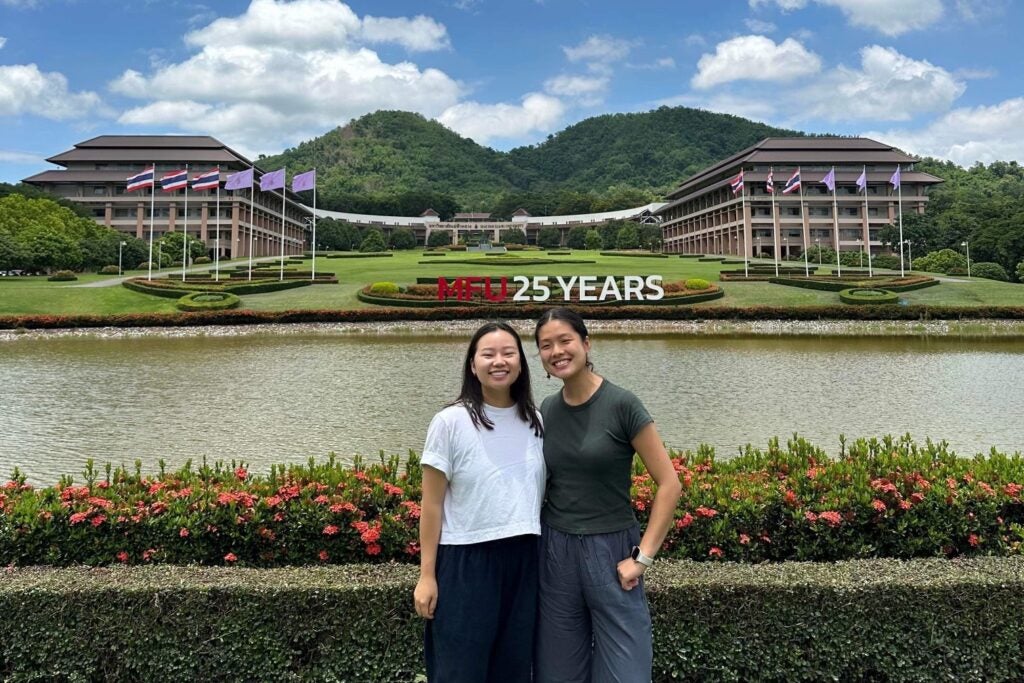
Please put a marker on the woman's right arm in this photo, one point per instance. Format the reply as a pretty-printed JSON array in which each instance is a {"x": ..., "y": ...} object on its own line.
[{"x": 435, "y": 484}]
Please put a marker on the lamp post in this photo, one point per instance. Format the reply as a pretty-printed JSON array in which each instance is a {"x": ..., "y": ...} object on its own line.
[
  {"x": 860, "y": 243},
  {"x": 159, "y": 255},
  {"x": 817, "y": 247},
  {"x": 759, "y": 247},
  {"x": 120, "y": 248},
  {"x": 910, "y": 252},
  {"x": 967, "y": 243}
]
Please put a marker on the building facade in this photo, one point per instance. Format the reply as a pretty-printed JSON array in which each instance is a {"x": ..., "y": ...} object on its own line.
[
  {"x": 704, "y": 216},
  {"x": 95, "y": 174}
]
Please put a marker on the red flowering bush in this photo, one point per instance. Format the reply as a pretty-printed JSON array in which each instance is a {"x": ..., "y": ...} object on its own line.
[{"x": 876, "y": 498}]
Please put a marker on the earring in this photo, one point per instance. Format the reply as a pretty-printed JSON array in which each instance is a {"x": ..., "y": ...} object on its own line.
[{"x": 548, "y": 374}]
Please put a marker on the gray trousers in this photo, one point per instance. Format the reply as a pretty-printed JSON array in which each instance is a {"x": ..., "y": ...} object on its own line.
[{"x": 589, "y": 630}]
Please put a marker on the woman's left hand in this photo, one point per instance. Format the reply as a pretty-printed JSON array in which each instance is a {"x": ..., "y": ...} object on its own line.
[{"x": 629, "y": 571}]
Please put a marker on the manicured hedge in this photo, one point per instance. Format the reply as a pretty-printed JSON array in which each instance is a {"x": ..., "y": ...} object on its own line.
[
  {"x": 508, "y": 261},
  {"x": 877, "y": 620},
  {"x": 172, "y": 289},
  {"x": 636, "y": 254},
  {"x": 868, "y": 296},
  {"x": 208, "y": 301},
  {"x": 834, "y": 284},
  {"x": 368, "y": 254}
]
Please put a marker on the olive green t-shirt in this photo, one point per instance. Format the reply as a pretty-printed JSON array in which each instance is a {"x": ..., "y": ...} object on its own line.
[{"x": 589, "y": 460}]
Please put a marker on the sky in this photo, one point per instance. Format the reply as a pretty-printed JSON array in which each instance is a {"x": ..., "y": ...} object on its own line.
[{"x": 932, "y": 77}]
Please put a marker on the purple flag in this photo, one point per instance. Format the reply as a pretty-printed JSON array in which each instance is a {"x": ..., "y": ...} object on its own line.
[
  {"x": 239, "y": 181},
  {"x": 830, "y": 180},
  {"x": 273, "y": 180},
  {"x": 862, "y": 181},
  {"x": 895, "y": 179},
  {"x": 304, "y": 181}
]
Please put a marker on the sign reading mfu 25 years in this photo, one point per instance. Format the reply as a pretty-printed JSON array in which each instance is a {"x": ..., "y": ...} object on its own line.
[{"x": 524, "y": 289}]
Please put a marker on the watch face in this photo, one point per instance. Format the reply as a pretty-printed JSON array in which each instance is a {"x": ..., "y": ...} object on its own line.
[{"x": 635, "y": 552}]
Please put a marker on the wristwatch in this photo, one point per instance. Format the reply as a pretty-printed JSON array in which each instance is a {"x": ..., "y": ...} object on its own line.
[{"x": 638, "y": 556}]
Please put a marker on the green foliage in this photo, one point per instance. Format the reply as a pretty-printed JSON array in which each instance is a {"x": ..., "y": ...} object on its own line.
[
  {"x": 208, "y": 301},
  {"x": 335, "y": 235},
  {"x": 990, "y": 271},
  {"x": 402, "y": 238},
  {"x": 868, "y": 295},
  {"x": 374, "y": 241},
  {"x": 942, "y": 261},
  {"x": 440, "y": 238},
  {"x": 548, "y": 238},
  {"x": 63, "y": 276},
  {"x": 627, "y": 238},
  {"x": 202, "y": 260},
  {"x": 109, "y": 270},
  {"x": 172, "y": 243},
  {"x": 697, "y": 283},
  {"x": 890, "y": 261},
  {"x": 513, "y": 236},
  {"x": 1020, "y": 272},
  {"x": 384, "y": 288},
  {"x": 577, "y": 238},
  {"x": 592, "y": 241}
]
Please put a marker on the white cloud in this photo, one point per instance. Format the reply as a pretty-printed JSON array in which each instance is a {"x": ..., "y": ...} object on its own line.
[
  {"x": 975, "y": 74},
  {"x": 280, "y": 71},
  {"x": 755, "y": 58},
  {"x": 967, "y": 135},
  {"x": 24, "y": 89},
  {"x": 888, "y": 86},
  {"x": 661, "y": 63},
  {"x": 538, "y": 113},
  {"x": 979, "y": 10},
  {"x": 759, "y": 26},
  {"x": 3, "y": 41},
  {"x": 12, "y": 157},
  {"x": 886, "y": 16},
  {"x": 588, "y": 90},
  {"x": 598, "y": 49},
  {"x": 695, "y": 40},
  {"x": 18, "y": 3}
]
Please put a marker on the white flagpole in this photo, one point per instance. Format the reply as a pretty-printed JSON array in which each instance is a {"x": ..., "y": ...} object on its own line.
[
  {"x": 743, "y": 227},
  {"x": 775, "y": 225},
  {"x": 835, "y": 222},
  {"x": 804, "y": 223},
  {"x": 252, "y": 191},
  {"x": 216, "y": 253},
  {"x": 152, "y": 209},
  {"x": 313, "y": 275},
  {"x": 281, "y": 276},
  {"x": 867, "y": 221},
  {"x": 899, "y": 195},
  {"x": 184, "y": 230}
]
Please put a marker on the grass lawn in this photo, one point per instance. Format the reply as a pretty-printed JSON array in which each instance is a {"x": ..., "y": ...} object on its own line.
[{"x": 37, "y": 295}]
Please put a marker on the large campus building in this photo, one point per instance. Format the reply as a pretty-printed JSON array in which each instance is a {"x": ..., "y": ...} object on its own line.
[
  {"x": 704, "y": 216},
  {"x": 96, "y": 171}
]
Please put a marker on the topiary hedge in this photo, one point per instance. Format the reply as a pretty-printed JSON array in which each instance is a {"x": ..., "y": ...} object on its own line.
[
  {"x": 637, "y": 254},
  {"x": 208, "y": 301},
  {"x": 868, "y": 296},
  {"x": 63, "y": 276},
  {"x": 920, "y": 620},
  {"x": 368, "y": 254},
  {"x": 110, "y": 270},
  {"x": 384, "y": 288}
]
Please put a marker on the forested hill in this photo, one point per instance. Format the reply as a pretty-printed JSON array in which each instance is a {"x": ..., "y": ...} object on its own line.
[
  {"x": 654, "y": 150},
  {"x": 400, "y": 162}
]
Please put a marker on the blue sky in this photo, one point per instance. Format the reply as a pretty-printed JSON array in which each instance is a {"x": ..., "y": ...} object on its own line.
[{"x": 935, "y": 77}]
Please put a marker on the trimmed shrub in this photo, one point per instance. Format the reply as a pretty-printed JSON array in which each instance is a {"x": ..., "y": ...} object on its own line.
[
  {"x": 697, "y": 283},
  {"x": 640, "y": 254},
  {"x": 357, "y": 254},
  {"x": 201, "y": 260},
  {"x": 208, "y": 301},
  {"x": 439, "y": 238},
  {"x": 109, "y": 270},
  {"x": 989, "y": 271},
  {"x": 889, "y": 261},
  {"x": 63, "y": 276},
  {"x": 866, "y": 295},
  {"x": 403, "y": 238},
  {"x": 942, "y": 261},
  {"x": 1020, "y": 272},
  {"x": 434, "y": 253},
  {"x": 373, "y": 242},
  {"x": 384, "y": 288}
]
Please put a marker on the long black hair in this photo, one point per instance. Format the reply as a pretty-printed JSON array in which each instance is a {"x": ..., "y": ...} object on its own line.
[
  {"x": 566, "y": 315},
  {"x": 472, "y": 396}
]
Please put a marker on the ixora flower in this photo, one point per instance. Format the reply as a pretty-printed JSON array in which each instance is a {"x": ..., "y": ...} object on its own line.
[{"x": 231, "y": 557}]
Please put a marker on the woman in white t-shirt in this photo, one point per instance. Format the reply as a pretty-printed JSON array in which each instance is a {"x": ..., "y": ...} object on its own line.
[{"x": 483, "y": 485}]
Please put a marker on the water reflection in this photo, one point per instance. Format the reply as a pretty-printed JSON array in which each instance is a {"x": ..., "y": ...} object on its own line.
[{"x": 284, "y": 398}]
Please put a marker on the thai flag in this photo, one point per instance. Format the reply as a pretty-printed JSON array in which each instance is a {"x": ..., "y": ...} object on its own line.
[
  {"x": 141, "y": 180},
  {"x": 206, "y": 181},
  {"x": 793, "y": 184},
  {"x": 737, "y": 184},
  {"x": 769, "y": 185},
  {"x": 175, "y": 180}
]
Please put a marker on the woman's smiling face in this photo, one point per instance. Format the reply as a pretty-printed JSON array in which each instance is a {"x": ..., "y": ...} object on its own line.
[
  {"x": 497, "y": 363},
  {"x": 562, "y": 351}
]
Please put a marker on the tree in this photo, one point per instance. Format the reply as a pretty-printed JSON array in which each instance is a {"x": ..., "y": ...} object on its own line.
[
  {"x": 549, "y": 238},
  {"x": 12, "y": 254},
  {"x": 650, "y": 236},
  {"x": 513, "y": 236},
  {"x": 440, "y": 238},
  {"x": 592, "y": 241},
  {"x": 610, "y": 232},
  {"x": 49, "y": 249},
  {"x": 627, "y": 238},
  {"x": 402, "y": 239},
  {"x": 173, "y": 243},
  {"x": 577, "y": 238},
  {"x": 374, "y": 241},
  {"x": 1020, "y": 272},
  {"x": 942, "y": 261}
]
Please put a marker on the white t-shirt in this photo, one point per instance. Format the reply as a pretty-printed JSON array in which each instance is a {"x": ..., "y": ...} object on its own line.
[{"x": 495, "y": 476}]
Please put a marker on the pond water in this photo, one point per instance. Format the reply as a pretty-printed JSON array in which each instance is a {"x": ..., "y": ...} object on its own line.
[{"x": 270, "y": 397}]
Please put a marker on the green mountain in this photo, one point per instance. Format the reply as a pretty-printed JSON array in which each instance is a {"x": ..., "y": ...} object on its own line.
[{"x": 400, "y": 163}]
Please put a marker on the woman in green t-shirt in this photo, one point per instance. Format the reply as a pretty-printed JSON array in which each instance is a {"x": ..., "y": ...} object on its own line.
[{"x": 593, "y": 621}]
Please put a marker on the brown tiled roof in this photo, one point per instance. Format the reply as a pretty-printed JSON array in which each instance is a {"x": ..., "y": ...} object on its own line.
[
  {"x": 200, "y": 148},
  {"x": 521, "y": 212}
]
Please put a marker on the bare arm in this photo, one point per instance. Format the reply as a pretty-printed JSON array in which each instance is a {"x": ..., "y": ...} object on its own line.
[
  {"x": 435, "y": 485},
  {"x": 652, "y": 452}
]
